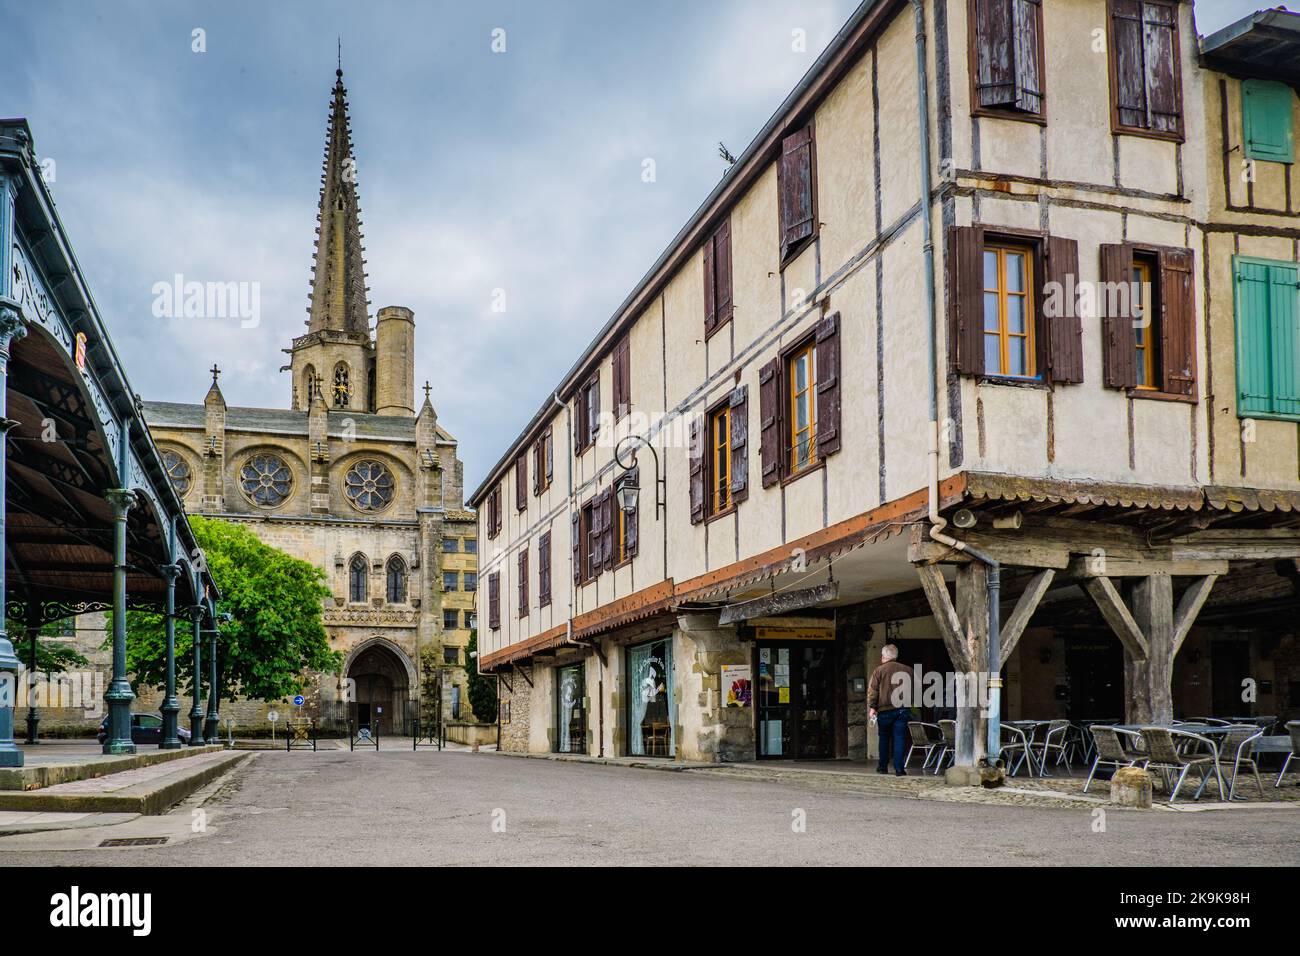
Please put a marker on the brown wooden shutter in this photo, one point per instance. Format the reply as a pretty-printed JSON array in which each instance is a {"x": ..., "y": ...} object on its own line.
[
  {"x": 1119, "y": 344},
  {"x": 722, "y": 269},
  {"x": 494, "y": 600},
  {"x": 1027, "y": 37},
  {"x": 631, "y": 520},
  {"x": 1177, "y": 322},
  {"x": 795, "y": 185},
  {"x": 521, "y": 482},
  {"x": 710, "y": 288},
  {"x": 769, "y": 421},
  {"x": 523, "y": 582},
  {"x": 544, "y": 569},
  {"x": 1160, "y": 43},
  {"x": 537, "y": 467},
  {"x": 607, "y": 528},
  {"x": 593, "y": 425},
  {"x": 697, "y": 471},
  {"x": 1063, "y": 332},
  {"x": 966, "y": 299},
  {"x": 577, "y": 546},
  {"x": 1130, "y": 73},
  {"x": 623, "y": 378},
  {"x": 739, "y": 403},
  {"x": 828, "y": 385},
  {"x": 995, "y": 80},
  {"x": 550, "y": 454}
]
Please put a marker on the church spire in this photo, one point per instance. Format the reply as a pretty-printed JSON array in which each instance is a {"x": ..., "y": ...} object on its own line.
[{"x": 338, "y": 287}]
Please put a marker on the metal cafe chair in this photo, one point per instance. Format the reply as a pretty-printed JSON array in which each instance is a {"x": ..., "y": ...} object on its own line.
[
  {"x": 1163, "y": 755},
  {"x": 949, "y": 749},
  {"x": 1237, "y": 747},
  {"x": 927, "y": 738},
  {"x": 1016, "y": 750},
  {"x": 1112, "y": 752},
  {"x": 1292, "y": 728},
  {"x": 1054, "y": 739}
]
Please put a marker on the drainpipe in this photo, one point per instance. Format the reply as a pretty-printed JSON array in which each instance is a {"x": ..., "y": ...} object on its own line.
[{"x": 937, "y": 522}]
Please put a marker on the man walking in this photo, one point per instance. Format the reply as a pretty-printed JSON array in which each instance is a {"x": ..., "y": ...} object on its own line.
[{"x": 888, "y": 694}]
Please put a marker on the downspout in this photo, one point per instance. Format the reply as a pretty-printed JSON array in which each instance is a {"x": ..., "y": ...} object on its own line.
[{"x": 937, "y": 522}]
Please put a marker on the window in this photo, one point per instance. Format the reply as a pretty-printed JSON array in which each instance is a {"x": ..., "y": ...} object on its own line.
[
  {"x": 1268, "y": 333},
  {"x": 450, "y": 581},
  {"x": 450, "y": 545},
  {"x": 650, "y": 707},
  {"x": 523, "y": 582},
  {"x": 1007, "y": 49},
  {"x": 521, "y": 482},
  {"x": 494, "y": 601},
  {"x": 1008, "y": 312},
  {"x": 797, "y": 189},
  {"x": 494, "y": 512},
  {"x": 342, "y": 386},
  {"x": 717, "y": 279},
  {"x": 543, "y": 461},
  {"x": 1267, "y": 121},
  {"x": 471, "y": 620},
  {"x": 178, "y": 470},
  {"x": 358, "y": 579},
  {"x": 266, "y": 480},
  {"x": 471, "y": 581},
  {"x": 621, "y": 368},
  {"x": 369, "y": 485},
  {"x": 1014, "y": 306},
  {"x": 586, "y": 419},
  {"x": 1146, "y": 84},
  {"x": 720, "y": 460},
  {"x": 801, "y": 376},
  {"x": 396, "y": 580},
  {"x": 720, "y": 450},
  {"x": 1147, "y": 303},
  {"x": 450, "y": 619},
  {"x": 310, "y": 384},
  {"x": 593, "y": 537},
  {"x": 799, "y": 405},
  {"x": 451, "y": 655},
  {"x": 626, "y": 530},
  {"x": 544, "y": 569},
  {"x": 471, "y": 545}
]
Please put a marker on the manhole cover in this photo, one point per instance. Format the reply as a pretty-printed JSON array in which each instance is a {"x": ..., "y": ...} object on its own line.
[{"x": 135, "y": 841}]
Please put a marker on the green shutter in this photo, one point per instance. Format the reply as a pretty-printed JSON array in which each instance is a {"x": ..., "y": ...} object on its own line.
[
  {"x": 1268, "y": 338},
  {"x": 1267, "y": 121}
]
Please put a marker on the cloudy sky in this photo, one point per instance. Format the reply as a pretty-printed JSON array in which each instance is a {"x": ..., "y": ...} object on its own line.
[{"x": 477, "y": 171}]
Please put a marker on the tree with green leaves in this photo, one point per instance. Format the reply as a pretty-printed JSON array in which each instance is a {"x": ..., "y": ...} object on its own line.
[
  {"x": 52, "y": 655},
  {"x": 275, "y": 635},
  {"x": 482, "y": 690}
]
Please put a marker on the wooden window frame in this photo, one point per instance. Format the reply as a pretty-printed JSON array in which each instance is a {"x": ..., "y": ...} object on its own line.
[
  {"x": 712, "y": 509},
  {"x": 1031, "y": 333},
  {"x": 543, "y": 461},
  {"x": 586, "y": 521},
  {"x": 455, "y": 617},
  {"x": 1151, "y": 256},
  {"x": 455, "y": 587},
  {"x": 1146, "y": 359},
  {"x": 1003, "y": 112},
  {"x": 789, "y": 438},
  {"x": 523, "y": 582},
  {"x": 1119, "y": 129}
]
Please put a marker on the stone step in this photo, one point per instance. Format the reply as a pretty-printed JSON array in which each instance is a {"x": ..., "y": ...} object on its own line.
[{"x": 54, "y": 765}]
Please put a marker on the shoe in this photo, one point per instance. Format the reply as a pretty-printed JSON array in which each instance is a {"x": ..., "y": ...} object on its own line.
[
  {"x": 882, "y": 770},
  {"x": 900, "y": 773}
]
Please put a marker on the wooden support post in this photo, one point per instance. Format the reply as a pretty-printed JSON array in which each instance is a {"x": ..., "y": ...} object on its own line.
[
  {"x": 1148, "y": 684},
  {"x": 1025, "y": 607},
  {"x": 973, "y": 612}
]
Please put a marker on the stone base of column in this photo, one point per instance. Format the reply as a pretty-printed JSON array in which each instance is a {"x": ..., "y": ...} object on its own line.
[
  {"x": 119, "y": 699},
  {"x": 171, "y": 708},
  {"x": 979, "y": 776}
]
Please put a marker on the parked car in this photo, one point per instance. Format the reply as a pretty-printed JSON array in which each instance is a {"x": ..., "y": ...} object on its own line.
[{"x": 145, "y": 729}]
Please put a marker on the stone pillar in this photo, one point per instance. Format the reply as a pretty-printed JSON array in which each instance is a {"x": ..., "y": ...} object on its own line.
[
  {"x": 709, "y": 729},
  {"x": 170, "y": 706},
  {"x": 119, "y": 694}
]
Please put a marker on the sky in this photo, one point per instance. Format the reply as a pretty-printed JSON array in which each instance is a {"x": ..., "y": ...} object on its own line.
[{"x": 501, "y": 156}]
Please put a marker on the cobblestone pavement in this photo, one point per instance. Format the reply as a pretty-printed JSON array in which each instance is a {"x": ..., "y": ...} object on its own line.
[{"x": 335, "y": 807}]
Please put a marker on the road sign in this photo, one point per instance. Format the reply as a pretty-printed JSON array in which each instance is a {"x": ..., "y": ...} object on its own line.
[
  {"x": 299, "y": 700},
  {"x": 272, "y": 715}
]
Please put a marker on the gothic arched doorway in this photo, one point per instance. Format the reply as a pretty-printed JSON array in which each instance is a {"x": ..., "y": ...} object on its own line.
[{"x": 381, "y": 689}]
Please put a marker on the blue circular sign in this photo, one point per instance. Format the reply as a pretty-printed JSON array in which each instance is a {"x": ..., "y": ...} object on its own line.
[{"x": 299, "y": 700}]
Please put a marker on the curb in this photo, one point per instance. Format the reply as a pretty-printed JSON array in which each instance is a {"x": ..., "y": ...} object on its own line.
[
  {"x": 47, "y": 775},
  {"x": 151, "y": 798}
]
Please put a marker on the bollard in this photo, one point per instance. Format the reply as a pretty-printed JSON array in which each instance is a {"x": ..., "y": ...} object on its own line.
[{"x": 1131, "y": 787}]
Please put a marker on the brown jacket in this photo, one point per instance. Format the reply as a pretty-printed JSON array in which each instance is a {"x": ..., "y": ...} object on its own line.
[{"x": 880, "y": 688}]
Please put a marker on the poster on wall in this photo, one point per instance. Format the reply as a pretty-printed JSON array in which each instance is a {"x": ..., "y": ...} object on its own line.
[{"x": 737, "y": 686}]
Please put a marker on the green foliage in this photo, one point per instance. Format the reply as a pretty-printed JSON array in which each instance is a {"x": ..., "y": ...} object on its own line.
[
  {"x": 274, "y": 636},
  {"x": 482, "y": 690},
  {"x": 52, "y": 657}
]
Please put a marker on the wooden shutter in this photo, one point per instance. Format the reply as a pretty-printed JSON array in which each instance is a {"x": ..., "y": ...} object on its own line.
[
  {"x": 1119, "y": 344},
  {"x": 1127, "y": 59},
  {"x": 1063, "y": 332},
  {"x": 623, "y": 378},
  {"x": 537, "y": 467},
  {"x": 494, "y": 600},
  {"x": 739, "y": 403},
  {"x": 607, "y": 528},
  {"x": 631, "y": 520},
  {"x": 966, "y": 299},
  {"x": 1007, "y": 43},
  {"x": 697, "y": 471},
  {"x": 577, "y": 546},
  {"x": 550, "y": 454},
  {"x": 1177, "y": 322},
  {"x": 521, "y": 482},
  {"x": 523, "y": 582},
  {"x": 1160, "y": 62},
  {"x": 544, "y": 569},
  {"x": 593, "y": 423},
  {"x": 1027, "y": 42},
  {"x": 828, "y": 385},
  {"x": 710, "y": 288},
  {"x": 769, "y": 421},
  {"x": 722, "y": 270},
  {"x": 1284, "y": 336},
  {"x": 796, "y": 188},
  {"x": 1267, "y": 123}
]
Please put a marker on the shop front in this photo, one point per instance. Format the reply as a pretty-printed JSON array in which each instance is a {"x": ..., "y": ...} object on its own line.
[
  {"x": 795, "y": 699},
  {"x": 571, "y": 709},
  {"x": 651, "y": 715}
]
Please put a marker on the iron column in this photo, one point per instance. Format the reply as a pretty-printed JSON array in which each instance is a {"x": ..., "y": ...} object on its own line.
[
  {"x": 211, "y": 730},
  {"x": 171, "y": 706},
  {"x": 33, "y": 718},
  {"x": 11, "y": 328},
  {"x": 119, "y": 695},
  {"x": 196, "y": 712}
]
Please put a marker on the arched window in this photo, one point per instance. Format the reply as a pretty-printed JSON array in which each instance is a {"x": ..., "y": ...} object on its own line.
[
  {"x": 396, "y": 580},
  {"x": 358, "y": 579},
  {"x": 342, "y": 386},
  {"x": 308, "y": 384}
]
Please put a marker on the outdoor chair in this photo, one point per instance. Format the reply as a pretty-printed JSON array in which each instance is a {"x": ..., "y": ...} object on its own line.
[
  {"x": 1163, "y": 755},
  {"x": 1016, "y": 750},
  {"x": 1292, "y": 728},
  {"x": 1236, "y": 748},
  {"x": 1112, "y": 752},
  {"x": 949, "y": 749},
  {"x": 927, "y": 738},
  {"x": 1056, "y": 739}
]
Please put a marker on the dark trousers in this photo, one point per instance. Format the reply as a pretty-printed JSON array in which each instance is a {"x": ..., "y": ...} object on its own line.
[{"x": 892, "y": 725}]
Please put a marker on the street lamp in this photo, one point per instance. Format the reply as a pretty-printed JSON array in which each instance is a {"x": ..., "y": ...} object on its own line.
[{"x": 629, "y": 492}]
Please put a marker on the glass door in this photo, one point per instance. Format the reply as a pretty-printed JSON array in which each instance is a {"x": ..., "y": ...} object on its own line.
[
  {"x": 774, "y": 702},
  {"x": 796, "y": 700},
  {"x": 816, "y": 705}
]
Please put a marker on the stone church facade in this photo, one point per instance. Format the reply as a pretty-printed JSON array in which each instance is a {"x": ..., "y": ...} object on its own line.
[{"x": 351, "y": 476}]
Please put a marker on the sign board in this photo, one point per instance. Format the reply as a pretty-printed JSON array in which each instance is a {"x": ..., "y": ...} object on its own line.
[
  {"x": 737, "y": 685},
  {"x": 272, "y": 715},
  {"x": 299, "y": 700},
  {"x": 795, "y": 633}
]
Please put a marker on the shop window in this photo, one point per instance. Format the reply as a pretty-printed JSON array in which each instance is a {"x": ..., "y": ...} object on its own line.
[
  {"x": 571, "y": 710},
  {"x": 651, "y": 710}
]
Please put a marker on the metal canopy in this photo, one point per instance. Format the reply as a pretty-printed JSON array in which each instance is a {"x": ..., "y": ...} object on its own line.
[{"x": 1264, "y": 44}]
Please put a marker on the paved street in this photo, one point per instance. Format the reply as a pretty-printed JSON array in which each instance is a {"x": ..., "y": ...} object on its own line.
[{"x": 396, "y": 807}]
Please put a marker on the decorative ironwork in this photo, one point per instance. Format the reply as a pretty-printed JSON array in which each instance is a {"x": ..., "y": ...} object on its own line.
[
  {"x": 369, "y": 485},
  {"x": 266, "y": 480},
  {"x": 178, "y": 470}
]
